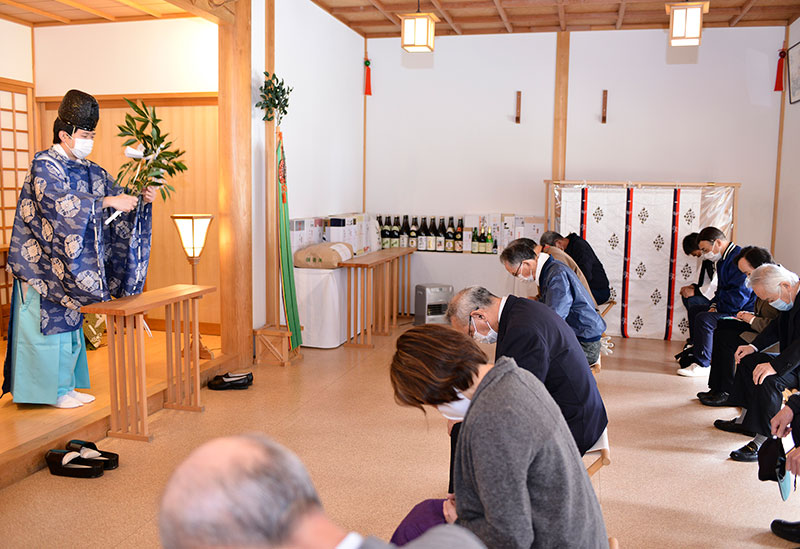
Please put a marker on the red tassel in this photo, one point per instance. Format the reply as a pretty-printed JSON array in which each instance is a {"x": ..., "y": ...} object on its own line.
[
  {"x": 367, "y": 78},
  {"x": 779, "y": 76}
]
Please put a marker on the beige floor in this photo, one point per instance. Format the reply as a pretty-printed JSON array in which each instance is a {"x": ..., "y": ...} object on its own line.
[{"x": 670, "y": 484}]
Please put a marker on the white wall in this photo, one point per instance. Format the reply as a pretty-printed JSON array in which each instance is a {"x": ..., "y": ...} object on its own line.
[
  {"x": 441, "y": 138},
  {"x": 169, "y": 56},
  {"x": 322, "y": 60},
  {"x": 689, "y": 114},
  {"x": 16, "y": 62},
  {"x": 786, "y": 249}
]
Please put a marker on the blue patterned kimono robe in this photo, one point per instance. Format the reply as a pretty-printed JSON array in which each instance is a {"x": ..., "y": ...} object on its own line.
[{"x": 61, "y": 247}]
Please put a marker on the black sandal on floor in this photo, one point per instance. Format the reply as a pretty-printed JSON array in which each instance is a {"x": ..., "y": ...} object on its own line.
[
  {"x": 88, "y": 450},
  {"x": 63, "y": 463}
]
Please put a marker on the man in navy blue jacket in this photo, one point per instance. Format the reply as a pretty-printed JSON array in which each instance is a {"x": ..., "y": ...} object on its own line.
[
  {"x": 732, "y": 296},
  {"x": 541, "y": 342},
  {"x": 561, "y": 290}
]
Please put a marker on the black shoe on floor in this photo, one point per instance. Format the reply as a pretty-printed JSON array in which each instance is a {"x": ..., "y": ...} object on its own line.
[
  {"x": 225, "y": 383},
  {"x": 748, "y": 452},
  {"x": 730, "y": 426},
  {"x": 704, "y": 394},
  {"x": 715, "y": 399},
  {"x": 227, "y": 376},
  {"x": 787, "y": 530}
]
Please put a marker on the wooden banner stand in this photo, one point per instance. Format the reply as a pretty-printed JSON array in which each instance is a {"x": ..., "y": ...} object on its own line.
[{"x": 273, "y": 346}]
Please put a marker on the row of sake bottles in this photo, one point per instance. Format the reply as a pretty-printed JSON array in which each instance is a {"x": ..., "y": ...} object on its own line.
[{"x": 428, "y": 237}]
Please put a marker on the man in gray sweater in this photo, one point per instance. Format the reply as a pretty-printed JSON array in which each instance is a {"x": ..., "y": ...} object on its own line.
[{"x": 514, "y": 435}]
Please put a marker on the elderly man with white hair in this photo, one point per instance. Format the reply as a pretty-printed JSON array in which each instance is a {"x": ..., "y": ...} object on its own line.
[
  {"x": 762, "y": 377},
  {"x": 249, "y": 491}
]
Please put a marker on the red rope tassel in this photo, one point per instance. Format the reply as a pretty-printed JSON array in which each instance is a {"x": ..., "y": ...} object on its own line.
[
  {"x": 367, "y": 78},
  {"x": 779, "y": 76}
]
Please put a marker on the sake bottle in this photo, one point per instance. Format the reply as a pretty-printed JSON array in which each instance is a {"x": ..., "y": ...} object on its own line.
[
  {"x": 474, "y": 247},
  {"x": 490, "y": 243},
  {"x": 396, "y": 233},
  {"x": 450, "y": 236},
  {"x": 432, "y": 233},
  {"x": 404, "y": 230},
  {"x": 458, "y": 244},
  {"x": 386, "y": 237},
  {"x": 440, "y": 235},
  {"x": 422, "y": 236},
  {"x": 482, "y": 243},
  {"x": 412, "y": 233}
]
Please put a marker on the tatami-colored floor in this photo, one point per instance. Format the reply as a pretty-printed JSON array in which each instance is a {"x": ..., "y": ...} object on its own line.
[{"x": 670, "y": 483}]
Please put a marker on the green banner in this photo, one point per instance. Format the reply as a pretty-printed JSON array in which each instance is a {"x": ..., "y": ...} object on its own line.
[{"x": 287, "y": 260}]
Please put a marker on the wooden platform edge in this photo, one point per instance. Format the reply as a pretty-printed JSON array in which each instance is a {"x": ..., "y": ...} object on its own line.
[{"x": 24, "y": 460}]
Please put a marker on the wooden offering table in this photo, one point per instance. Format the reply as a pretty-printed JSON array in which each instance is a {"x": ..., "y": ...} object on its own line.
[
  {"x": 126, "y": 364},
  {"x": 385, "y": 292}
]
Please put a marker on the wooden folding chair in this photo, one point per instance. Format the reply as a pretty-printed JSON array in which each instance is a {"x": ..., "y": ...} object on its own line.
[
  {"x": 604, "y": 458},
  {"x": 608, "y": 305}
]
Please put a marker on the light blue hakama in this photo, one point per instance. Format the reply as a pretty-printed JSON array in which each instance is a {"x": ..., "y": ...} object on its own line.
[{"x": 43, "y": 367}]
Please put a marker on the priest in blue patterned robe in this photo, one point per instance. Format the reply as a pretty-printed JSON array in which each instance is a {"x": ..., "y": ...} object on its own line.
[{"x": 63, "y": 256}]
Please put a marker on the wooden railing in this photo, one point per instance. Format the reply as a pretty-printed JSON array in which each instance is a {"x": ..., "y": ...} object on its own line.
[{"x": 126, "y": 357}]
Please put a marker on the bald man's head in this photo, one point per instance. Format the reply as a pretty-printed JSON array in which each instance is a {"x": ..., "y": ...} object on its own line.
[{"x": 242, "y": 491}]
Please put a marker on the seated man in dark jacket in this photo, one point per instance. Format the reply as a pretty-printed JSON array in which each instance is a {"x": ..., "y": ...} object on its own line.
[
  {"x": 732, "y": 296},
  {"x": 559, "y": 289},
  {"x": 732, "y": 333},
  {"x": 762, "y": 377},
  {"x": 695, "y": 296},
  {"x": 541, "y": 342},
  {"x": 583, "y": 254}
]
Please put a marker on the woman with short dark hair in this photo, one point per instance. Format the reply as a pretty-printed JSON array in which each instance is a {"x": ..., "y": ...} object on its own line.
[{"x": 518, "y": 478}]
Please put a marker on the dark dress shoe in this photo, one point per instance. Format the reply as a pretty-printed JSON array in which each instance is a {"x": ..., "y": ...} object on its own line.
[
  {"x": 223, "y": 383},
  {"x": 730, "y": 426},
  {"x": 703, "y": 394},
  {"x": 715, "y": 399},
  {"x": 231, "y": 377},
  {"x": 787, "y": 530},
  {"x": 748, "y": 452}
]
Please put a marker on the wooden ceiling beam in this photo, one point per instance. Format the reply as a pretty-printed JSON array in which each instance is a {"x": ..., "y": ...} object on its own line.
[
  {"x": 503, "y": 15},
  {"x": 122, "y": 19},
  {"x": 141, "y": 8},
  {"x": 562, "y": 15},
  {"x": 381, "y": 8},
  {"x": 438, "y": 5},
  {"x": 745, "y": 9},
  {"x": 324, "y": 7},
  {"x": 621, "y": 14},
  {"x": 87, "y": 9},
  {"x": 37, "y": 11},
  {"x": 207, "y": 9},
  {"x": 13, "y": 19}
]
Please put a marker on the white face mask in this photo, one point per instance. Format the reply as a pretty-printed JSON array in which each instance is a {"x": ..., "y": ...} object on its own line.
[
  {"x": 455, "y": 410},
  {"x": 711, "y": 255},
  {"x": 528, "y": 278},
  {"x": 490, "y": 338},
  {"x": 81, "y": 147}
]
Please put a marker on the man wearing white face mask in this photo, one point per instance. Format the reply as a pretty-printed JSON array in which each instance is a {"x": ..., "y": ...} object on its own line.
[
  {"x": 732, "y": 296},
  {"x": 541, "y": 342},
  {"x": 63, "y": 256},
  {"x": 762, "y": 377},
  {"x": 559, "y": 289}
]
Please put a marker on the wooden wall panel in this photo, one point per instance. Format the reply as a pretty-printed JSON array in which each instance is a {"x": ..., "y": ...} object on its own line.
[{"x": 194, "y": 129}]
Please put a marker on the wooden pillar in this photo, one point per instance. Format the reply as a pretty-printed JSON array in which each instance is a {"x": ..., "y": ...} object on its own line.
[
  {"x": 235, "y": 184},
  {"x": 273, "y": 266},
  {"x": 560, "y": 107},
  {"x": 780, "y": 154}
]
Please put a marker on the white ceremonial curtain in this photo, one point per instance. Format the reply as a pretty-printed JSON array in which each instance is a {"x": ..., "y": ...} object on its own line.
[{"x": 637, "y": 234}]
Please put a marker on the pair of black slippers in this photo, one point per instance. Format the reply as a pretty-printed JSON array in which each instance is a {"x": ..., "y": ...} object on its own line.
[
  {"x": 81, "y": 459},
  {"x": 229, "y": 381}
]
